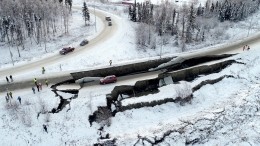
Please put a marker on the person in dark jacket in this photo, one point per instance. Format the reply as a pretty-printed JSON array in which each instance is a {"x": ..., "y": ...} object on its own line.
[
  {"x": 43, "y": 70},
  {"x": 7, "y": 99},
  {"x": 7, "y": 79},
  {"x": 7, "y": 94},
  {"x": 38, "y": 88},
  {"x": 11, "y": 78},
  {"x": 19, "y": 99},
  {"x": 33, "y": 90},
  {"x": 45, "y": 128}
]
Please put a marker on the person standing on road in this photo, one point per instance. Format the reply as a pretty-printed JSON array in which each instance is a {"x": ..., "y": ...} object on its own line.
[
  {"x": 110, "y": 62},
  {"x": 40, "y": 86},
  {"x": 33, "y": 90},
  {"x": 46, "y": 82},
  {"x": 7, "y": 94},
  {"x": 35, "y": 81},
  {"x": 43, "y": 70},
  {"x": 11, "y": 78},
  {"x": 19, "y": 99},
  {"x": 7, "y": 99},
  {"x": 11, "y": 94},
  {"x": 7, "y": 79}
]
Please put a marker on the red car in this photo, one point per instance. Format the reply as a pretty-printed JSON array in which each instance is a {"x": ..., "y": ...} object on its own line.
[
  {"x": 108, "y": 79},
  {"x": 64, "y": 51}
]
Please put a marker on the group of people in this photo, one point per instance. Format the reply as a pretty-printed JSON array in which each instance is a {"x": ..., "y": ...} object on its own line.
[
  {"x": 9, "y": 94},
  {"x": 9, "y": 80},
  {"x": 246, "y": 47},
  {"x": 9, "y": 97},
  {"x": 39, "y": 85}
]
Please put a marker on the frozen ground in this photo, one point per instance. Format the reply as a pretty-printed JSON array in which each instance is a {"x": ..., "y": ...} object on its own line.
[
  {"x": 116, "y": 47},
  {"x": 225, "y": 113}
]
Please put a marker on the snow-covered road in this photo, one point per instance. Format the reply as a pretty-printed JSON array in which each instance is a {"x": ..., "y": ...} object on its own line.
[{"x": 104, "y": 35}]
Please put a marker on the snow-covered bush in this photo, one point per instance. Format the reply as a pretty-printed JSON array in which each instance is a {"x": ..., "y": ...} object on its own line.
[
  {"x": 47, "y": 117},
  {"x": 43, "y": 107},
  {"x": 12, "y": 105},
  {"x": 183, "y": 90},
  {"x": 25, "y": 115},
  {"x": 27, "y": 102}
]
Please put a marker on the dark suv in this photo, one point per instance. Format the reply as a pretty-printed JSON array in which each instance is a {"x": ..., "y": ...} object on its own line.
[
  {"x": 84, "y": 42},
  {"x": 64, "y": 51},
  {"x": 108, "y": 18},
  {"x": 108, "y": 79},
  {"x": 109, "y": 23}
]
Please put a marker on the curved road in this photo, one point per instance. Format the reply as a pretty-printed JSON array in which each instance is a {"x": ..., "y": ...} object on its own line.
[
  {"x": 104, "y": 35},
  {"x": 235, "y": 47}
]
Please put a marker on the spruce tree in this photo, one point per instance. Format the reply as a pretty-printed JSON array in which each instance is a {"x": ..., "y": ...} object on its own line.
[
  {"x": 190, "y": 24},
  {"x": 85, "y": 12}
]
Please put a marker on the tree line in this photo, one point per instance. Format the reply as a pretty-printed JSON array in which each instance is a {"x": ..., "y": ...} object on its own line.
[
  {"x": 37, "y": 20},
  {"x": 186, "y": 24}
]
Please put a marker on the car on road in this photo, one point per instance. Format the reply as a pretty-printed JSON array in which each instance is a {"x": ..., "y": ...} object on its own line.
[
  {"x": 108, "y": 18},
  {"x": 64, "y": 51},
  {"x": 108, "y": 79},
  {"x": 109, "y": 23},
  {"x": 84, "y": 42}
]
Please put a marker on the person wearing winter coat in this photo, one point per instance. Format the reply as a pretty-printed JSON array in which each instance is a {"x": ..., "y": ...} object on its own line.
[
  {"x": 40, "y": 86},
  {"x": 46, "y": 82},
  {"x": 110, "y": 62},
  {"x": 45, "y": 128},
  {"x": 7, "y": 99},
  {"x": 33, "y": 90},
  {"x": 11, "y": 78},
  {"x": 11, "y": 94},
  {"x": 7, "y": 79},
  {"x": 35, "y": 81},
  {"x": 19, "y": 99},
  {"x": 7, "y": 94},
  {"x": 43, "y": 70}
]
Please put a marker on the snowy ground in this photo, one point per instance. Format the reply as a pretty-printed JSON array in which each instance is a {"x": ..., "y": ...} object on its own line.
[
  {"x": 225, "y": 113},
  {"x": 157, "y": 2},
  {"x": 122, "y": 42}
]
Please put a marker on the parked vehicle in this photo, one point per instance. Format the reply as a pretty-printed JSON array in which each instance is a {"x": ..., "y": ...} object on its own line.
[
  {"x": 108, "y": 18},
  {"x": 109, "y": 23},
  {"x": 108, "y": 79},
  {"x": 84, "y": 42},
  {"x": 64, "y": 51}
]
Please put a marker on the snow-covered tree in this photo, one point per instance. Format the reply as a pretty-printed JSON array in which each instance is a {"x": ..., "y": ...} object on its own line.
[
  {"x": 190, "y": 24},
  {"x": 85, "y": 12},
  {"x": 35, "y": 20}
]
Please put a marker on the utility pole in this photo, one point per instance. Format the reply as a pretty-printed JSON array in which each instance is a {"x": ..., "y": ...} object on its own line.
[
  {"x": 161, "y": 47},
  {"x": 95, "y": 16}
]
